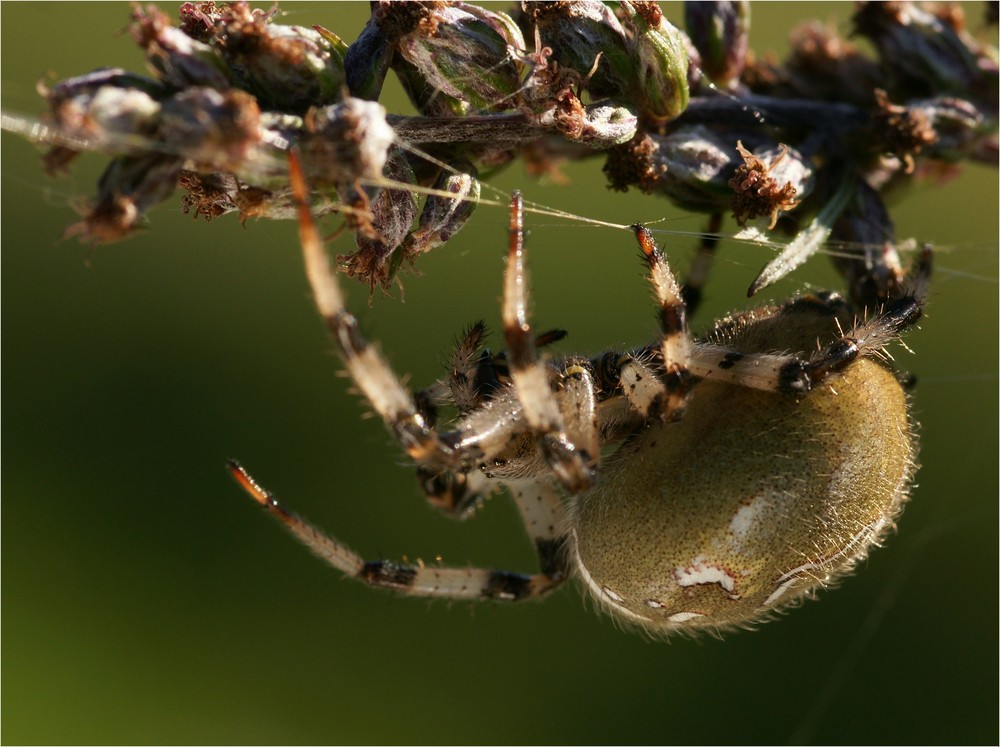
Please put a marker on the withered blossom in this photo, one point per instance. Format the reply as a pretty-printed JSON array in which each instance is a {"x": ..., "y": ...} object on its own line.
[{"x": 769, "y": 184}]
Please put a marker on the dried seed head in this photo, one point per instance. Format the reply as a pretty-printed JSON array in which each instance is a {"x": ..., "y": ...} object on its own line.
[
  {"x": 769, "y": 184},
  {"x": 720, "y": 33}
]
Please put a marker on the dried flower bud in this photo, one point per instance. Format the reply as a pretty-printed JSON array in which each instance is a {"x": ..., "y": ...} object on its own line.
[
  {"x": 391, "y": 214},
  {"x": 103, "y": 111},
  {"x": 89, "y": 83},
  {"x": 217, "y": 193},
  {"x": 606, "y": 125},
  {"x": 460, "y": 49},
  {"x": 926, "y": 54},
  {"x": 691, "y": 166},
  {"x": 345, "y": 142},
  {"x": 443, "y": 217},
  {"x": 286, "y": 67},
  {"x": 179, "y": 60},
  {"x": 867, "y": 256},
  {"x": 719, "y": 30},
  {"x": 129, "y": 186},
  {"x": 582, "y": 34},
  {"x": 959, "y": 127},
  {"x": 215, "y": 130},
  {"x": 825, "y": 66},
  {"x": 774, "y": 182},
  {"x": 661, "y": 62},
  {"x": 903, "y": 131}
]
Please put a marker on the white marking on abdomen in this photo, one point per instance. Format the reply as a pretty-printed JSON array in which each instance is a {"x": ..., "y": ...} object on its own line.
[
  {"x": 701, "y": 573},
  {"x": 681, "y": 617}
]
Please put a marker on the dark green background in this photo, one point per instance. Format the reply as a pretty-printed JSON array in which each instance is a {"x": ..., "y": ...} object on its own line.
[{"x": 146, "y": 600}]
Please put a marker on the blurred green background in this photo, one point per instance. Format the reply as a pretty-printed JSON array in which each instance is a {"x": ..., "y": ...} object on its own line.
[{"x": 145, "y": 599}]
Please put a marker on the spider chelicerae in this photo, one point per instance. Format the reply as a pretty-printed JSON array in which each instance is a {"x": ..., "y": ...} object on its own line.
[{"x": 753, "y": 465}]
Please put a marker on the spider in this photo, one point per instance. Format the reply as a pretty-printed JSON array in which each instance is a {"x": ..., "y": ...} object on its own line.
[{"x": 753, "y": 465}]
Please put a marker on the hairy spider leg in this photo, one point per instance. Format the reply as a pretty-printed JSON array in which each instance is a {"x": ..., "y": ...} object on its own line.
[
  {"x": 675, "y": 342},
  {"x": 368, "y": 369},
  {"x": 578, "y": 400},
  {"x": 472, "y": 380},
  {"x": 701, "y": 265},
  {"x": 543, "y": 517},
  {"x": 465, "y": 374},
  {"x": 474, "y": 375},
  {"x": 572, "y": 466},
  {"x": 793, "y": 374},
  {"x": 334, "y": 552},
  {"x": 491, "y": 428}
]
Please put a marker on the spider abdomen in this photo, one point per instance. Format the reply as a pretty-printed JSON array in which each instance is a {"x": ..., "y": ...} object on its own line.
[{"x": 750, "y": 501}]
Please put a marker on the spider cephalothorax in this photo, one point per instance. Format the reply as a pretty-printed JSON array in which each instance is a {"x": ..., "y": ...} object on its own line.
[{"x": 753, "y": 465}]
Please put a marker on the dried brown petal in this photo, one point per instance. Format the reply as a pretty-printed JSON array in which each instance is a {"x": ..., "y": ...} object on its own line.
[{"x": 768, "y": 189}]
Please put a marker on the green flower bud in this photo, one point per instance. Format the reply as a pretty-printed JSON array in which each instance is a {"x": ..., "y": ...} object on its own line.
[
  {"x": 719, "y": 30},
  {"x": 428, "y": 100},
  {"x": 660, "y": 56}
]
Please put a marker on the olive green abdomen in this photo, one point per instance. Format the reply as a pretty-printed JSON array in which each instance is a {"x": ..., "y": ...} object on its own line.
[{"x": 750, "y": 501}]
